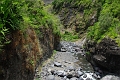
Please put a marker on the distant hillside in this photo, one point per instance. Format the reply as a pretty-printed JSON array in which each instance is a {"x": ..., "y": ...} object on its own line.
[{"x": 101, "y": 16}]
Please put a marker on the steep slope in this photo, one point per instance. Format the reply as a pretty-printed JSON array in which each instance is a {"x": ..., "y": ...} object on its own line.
[
  {"x": 77, "y": 15},
  {"x": 28, "y": 35}
]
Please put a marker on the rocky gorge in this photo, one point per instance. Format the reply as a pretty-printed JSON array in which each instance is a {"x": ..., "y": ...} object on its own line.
[
  {"x": 81, "y": 43},
  {"x": 90, "y": 17},
  {"x": 65, "y": 65},
  {"x": 69, "y": 63}
]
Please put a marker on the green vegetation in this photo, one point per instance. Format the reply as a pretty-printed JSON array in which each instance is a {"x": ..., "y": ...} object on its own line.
[
  {"x": 84, "y": 4},
  {"x": 82, "y": 11},
  {"x": 107, "y": 14},
  {"x": 22, "y": 14},
  {"x": 108, "y": 24},
  {"x": 67, "y": 36},
  {"x": 88, "y": 53},
  {"x": 9, "y": 19}
]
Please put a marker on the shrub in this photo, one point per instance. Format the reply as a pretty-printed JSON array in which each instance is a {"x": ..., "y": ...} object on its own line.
[
  {"x": 108, "y": 24},
  {"x": 21, "y": 14}
]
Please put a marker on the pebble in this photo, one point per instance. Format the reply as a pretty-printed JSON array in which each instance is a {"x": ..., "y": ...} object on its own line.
[
  {"x": 80, "y": 73},
  {"x": 57, "y": 64},
  {"x": 69, "y": 75},
  {"x": 61, "y": 73}
]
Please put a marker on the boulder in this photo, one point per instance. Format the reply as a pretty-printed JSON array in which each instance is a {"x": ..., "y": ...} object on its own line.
[
  {"x": 106, "y": 54},
  {"x": 110, "y": 77}
]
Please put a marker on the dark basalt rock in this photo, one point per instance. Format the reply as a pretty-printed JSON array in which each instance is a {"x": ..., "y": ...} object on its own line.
[
  {"x": 105, "y": 54},
  {"x": 69, "y": 75}
]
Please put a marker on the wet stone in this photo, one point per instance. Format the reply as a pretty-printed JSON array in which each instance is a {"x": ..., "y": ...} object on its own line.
[
  {"x": 61, "y": 73},
  {"x": 95, "y": 75},
  {"x": 84, "y": 76},
  {"x": 65, "y": 77},
  {"x": 51, "y": 77},
  {"x": 52, "y": 65},
  {"x": 53, "y": 72},
  {"x": 63, "y": 49},
  {"x": 57, "y": 64},
  {"x": 80, "y": 73},
  {"x": 70, "y": 68},
  {"x": 69, "y": 75}
]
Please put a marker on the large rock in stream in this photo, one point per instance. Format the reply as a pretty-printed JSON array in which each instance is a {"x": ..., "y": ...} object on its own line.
[{"x": 105, "y": 54}]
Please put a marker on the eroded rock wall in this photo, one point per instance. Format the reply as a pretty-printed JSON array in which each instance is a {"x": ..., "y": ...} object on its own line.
[
  {"x": 77, "y": 18},
  {"x": 105, "y": 54},
  {"x": 20, "y": 58}
]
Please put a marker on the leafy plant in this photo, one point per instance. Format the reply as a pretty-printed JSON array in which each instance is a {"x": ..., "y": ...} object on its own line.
[
  {"x": 108, "y": 24},
  {"x": 21, "y": 14},
  {"x": 88, "y": 53},
  {"x": 9, "y": 19}
]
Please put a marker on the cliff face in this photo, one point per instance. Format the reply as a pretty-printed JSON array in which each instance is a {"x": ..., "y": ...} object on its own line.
[
  {"x": 103, "y": 37},
  {"x": 77, "y": 15},
  {"x": 32, "y": 32},
  {"x": 20, "y": 58},
  {"x": 48, "y": 41},
  {"x": 105, "y": 54}
]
